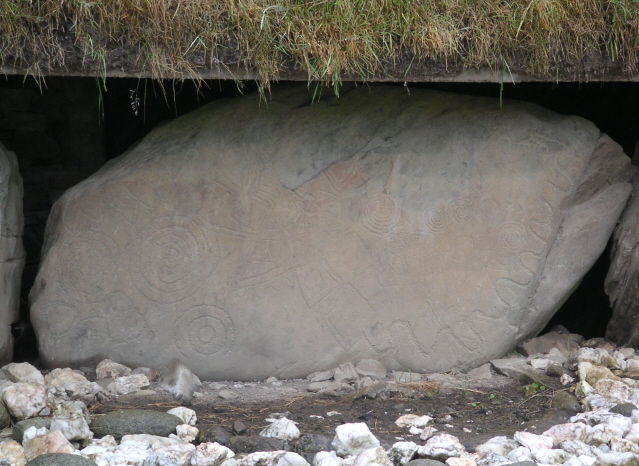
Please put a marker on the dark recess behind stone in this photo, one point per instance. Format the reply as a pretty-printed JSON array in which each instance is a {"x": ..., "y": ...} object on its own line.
[{"x": 67, "y": 106}]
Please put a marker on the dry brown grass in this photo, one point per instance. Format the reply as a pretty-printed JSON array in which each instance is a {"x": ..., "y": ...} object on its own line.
[{"x": 327, "y": 39}]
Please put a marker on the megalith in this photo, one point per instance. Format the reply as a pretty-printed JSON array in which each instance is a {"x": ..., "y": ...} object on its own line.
[
  {"x": 11, "y": 250},
  {"x": 622, "y": 281},
  {"x": 426, "y": 230}
]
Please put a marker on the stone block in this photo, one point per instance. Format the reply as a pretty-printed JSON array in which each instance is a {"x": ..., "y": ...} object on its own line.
[{"x": 426, "y": 231}]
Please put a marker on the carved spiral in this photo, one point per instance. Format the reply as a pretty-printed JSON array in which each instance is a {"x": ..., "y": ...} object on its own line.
[
  {"x": 172, "y": 260},
  {"x": 460, "y": 210},
  {"x": 379, "y": 214},
  {"x": 204, "y": 330},
  {"x": 437, "y": 219},
  {"x": 512, "y": 236}
]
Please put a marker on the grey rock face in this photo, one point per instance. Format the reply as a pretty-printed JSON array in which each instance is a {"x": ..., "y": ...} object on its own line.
[
  {"x": 622, "y": 281},
  {"x": 11, "y": 251},
  {"x": 135, "y": 421},
  {"x": 426, "y": 231},
  {"x": 60, "y": 459}
]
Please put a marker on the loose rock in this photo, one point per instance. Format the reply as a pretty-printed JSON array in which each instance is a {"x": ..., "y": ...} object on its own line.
[
  {"x": 107, "y": 369},
  {"x": 25, "y": 399},
  {"x": 23, "y": 372},
  {"x": 186, "y": 432},
  {"x": 345, "y": 373},
  {"x": 53, "y": 459},
  {"x": 51, "y": 442},
  {"x": 21, "y": 427},
  {"x": 371, "y": 368},
  {"x": 179, "y": 381},
  {"x": 70, "y": 383},
  {"x": 213, "y": 434},
  {"x": 13, "y": 453},
  {"x": 352, "y": 439},
  {"x": 282, "y": 428},
  {"x": 187, "y": 415},
  {"x": 210, "y": 454},
  {"x": 72, "y": 429},
  {"x": 441, "y": 447},
  {"x": 135, "y": 421},
  {"x": 567, "y": 401},
  {"x": 128, "y": 384}
]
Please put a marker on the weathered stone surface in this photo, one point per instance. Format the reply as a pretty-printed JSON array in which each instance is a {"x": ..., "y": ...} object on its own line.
[
  {"x": 11, "y": 250},
  {"x": 427, "y": 231},
  {"x": 135, "y": 421},
  {"x": 622, "y": 281},
  {"x": 60, "y": 459}
]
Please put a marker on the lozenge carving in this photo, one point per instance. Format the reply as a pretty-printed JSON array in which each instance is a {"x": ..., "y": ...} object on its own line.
[{"x": 421, "y": 230}]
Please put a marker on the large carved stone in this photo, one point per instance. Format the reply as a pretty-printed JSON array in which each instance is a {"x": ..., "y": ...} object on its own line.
[
  {"x": 622, "y": 281},
  {"x": 11, "y": 250},
  {"x": 427, "y": 231}
]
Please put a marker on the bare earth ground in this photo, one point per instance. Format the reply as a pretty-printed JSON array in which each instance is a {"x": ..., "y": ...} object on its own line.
[{"x": 474, "y": 411}]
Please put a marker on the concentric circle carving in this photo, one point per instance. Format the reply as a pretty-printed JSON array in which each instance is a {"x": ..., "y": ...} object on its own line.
[
  {"x": 512, "y": 236},
  {"x": 204, "y": 330},
  {"x": 379, "y": 213},
  {"x": 437, "y": 219},
  {"x": 171, "y": 260}
]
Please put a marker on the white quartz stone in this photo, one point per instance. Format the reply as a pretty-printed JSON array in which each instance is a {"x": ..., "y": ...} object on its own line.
[
  {"x": 550, "y": 456},
  {"x": 520, "y": 453},
  {"x": 428, "y": 432},
  {"x": 568, "y": 431},
  {"x": 413, "y": 420},
  {"x": 149, "y": 441},
  {"x": 210, "y": 454},
  {"x": 373, "y": 457},
  {"x": 326, "y": 458},
  {"x": 352, "y": 439},
  {"x": 187, "y": 415},
  {"x": 180, "y": 454},
  {"x": 441, "y": 446},
  {"x": 402, "y": 452},
  {"x": 72, "y": 429},
  {"x": 499, "y": 445},
  {"x": 463, "y": 461},
  {"x": 186, "y": 432},
  {"x": 533, "y": 441},
  {"x": 281, "y": 428},
  {"x": 128, "y": 384}
]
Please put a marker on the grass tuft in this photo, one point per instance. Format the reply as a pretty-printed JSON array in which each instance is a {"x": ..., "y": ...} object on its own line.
[{"x": 327, "y": 39}]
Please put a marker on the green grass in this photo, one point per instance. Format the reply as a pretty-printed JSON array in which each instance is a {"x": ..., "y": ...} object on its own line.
[{"x": 325, "y": 39}]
